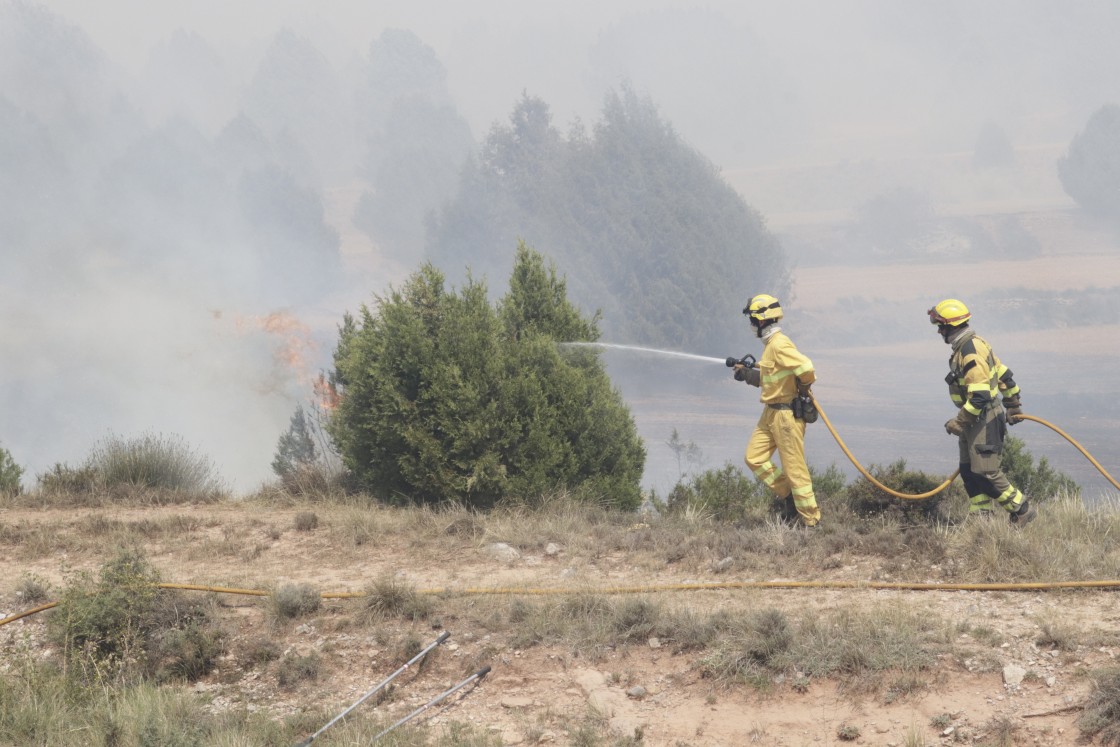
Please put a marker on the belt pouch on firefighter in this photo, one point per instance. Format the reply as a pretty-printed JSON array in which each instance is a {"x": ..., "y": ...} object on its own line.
[
  {"x": 796, "y": 405},
  {"x": 808, "y": 410}
]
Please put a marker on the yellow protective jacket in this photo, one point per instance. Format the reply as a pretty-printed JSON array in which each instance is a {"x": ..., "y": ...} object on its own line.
[
  {"x": 976, "y": 375},
  {"x": 780, "y": 367}
]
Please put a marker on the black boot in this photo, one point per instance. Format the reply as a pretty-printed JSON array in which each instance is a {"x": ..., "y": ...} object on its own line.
[
  {"x": 788, "y": 513},
  {"x": 1025, "y": 515}
]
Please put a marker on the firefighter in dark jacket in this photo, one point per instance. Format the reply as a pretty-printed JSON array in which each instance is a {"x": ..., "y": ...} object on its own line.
[{"x": 978, "y": 381}]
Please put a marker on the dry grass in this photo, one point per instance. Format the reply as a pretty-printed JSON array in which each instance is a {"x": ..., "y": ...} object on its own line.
[{"x": 881, "y": 651}]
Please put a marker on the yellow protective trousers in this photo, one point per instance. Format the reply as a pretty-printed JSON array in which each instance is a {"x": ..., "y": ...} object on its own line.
[{"x": 778, "y": 430}]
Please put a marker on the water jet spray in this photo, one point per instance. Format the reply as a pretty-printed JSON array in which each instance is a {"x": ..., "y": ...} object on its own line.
[{"x": 635, "y": 348}]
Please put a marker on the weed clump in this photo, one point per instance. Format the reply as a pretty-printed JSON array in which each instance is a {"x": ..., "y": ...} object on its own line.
[
  {"x": 33, "y": 589},
  {"x": 305, "y": 521},
  {"x": 391, "y": 598},
  {"x": 151, "y": 461},
  {"x": 294, "y": 669},
  {"x": 295, "y": 600},
  {"x": 1101, "y": 716}
]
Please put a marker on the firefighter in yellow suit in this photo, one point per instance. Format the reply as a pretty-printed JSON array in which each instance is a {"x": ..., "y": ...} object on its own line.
[
  {"x": 976, "y": 378},
  {"x": 783, "y": 375}
]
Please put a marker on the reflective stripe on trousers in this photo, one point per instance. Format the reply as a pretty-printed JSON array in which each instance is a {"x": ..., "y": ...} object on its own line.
[{"x": 777, "y": 430}]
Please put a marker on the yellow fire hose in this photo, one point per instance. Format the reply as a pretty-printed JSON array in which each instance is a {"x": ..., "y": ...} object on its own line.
[
  {"x": 874, "y": 585},
  {"x": 942, "y": 486},
  {"x": 657, "y": 588}
]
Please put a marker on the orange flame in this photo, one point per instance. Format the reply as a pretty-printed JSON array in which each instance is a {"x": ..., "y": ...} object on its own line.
[
  {"x": 293, "y": 351},
  {"x": 294, "y": 345},
  {"x": 326, "y": 395}
]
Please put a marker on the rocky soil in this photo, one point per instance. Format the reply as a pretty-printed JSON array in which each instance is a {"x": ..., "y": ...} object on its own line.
[{"x": 1004, "y": 684}]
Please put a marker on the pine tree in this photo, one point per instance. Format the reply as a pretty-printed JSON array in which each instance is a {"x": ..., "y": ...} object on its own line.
[{"x": 296, "y": 448}]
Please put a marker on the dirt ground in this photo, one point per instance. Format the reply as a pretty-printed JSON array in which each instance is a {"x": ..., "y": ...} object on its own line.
[{"x": 1014, "y": 692}]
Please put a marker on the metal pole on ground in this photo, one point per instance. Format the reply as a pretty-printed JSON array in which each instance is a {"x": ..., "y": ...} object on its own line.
[
  {"x": 443, "y": 637},
  {"x": 476, "y": 676}
]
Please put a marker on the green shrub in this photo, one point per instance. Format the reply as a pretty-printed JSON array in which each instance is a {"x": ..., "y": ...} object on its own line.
[
  {"x": 62, "y": 479},
  {"x": 122, "y": 627},
  {"x": 866, "y": 499},
  {"x": 10, "y": 474},
  {"x": 183, "y": 637},
  {"x": 724, "y": 494},
  {"x": 187, "y": 653},
  {"x": 100, "y": 623},
  {"x": 448, "y": 399},
  {"x": 829, "y": 483},
  {"x": 1039, "y": 482},
  {"x": 151, "y": 461}
]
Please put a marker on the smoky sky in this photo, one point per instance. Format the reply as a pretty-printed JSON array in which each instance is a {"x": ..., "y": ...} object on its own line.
[{"x": 128, "y": 305}]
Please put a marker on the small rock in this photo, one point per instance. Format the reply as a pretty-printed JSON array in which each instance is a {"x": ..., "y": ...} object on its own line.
[
  {"x": 502, "y": 551},
  {"x": 552, "y": 549},
  {"x": 514, "y": 701},
  {"x": 1013, "y": 675},
  {"x": 723, "y": 565},
  {"x": 655, "y": 643},
  {"x": 637, "y": 692}
]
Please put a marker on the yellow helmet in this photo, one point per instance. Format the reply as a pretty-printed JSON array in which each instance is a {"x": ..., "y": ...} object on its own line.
[
  {"x": 950, "y": 312},
  {"x": 763, "y": 308}
]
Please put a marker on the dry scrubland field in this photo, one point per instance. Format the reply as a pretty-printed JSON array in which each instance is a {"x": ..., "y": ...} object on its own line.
[
  {"x": 664, "y": 664},
  {"x": 666, "y": 667},
  {"x": 583, "y": 667}
]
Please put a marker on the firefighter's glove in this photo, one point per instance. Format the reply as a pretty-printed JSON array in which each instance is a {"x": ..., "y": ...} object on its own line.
[
  {"x": 960, "y": 423},
  {"x": 1014, "y": 409},
  {"x": 748, "y": 374},
  {"x": 803, "y": 390}
]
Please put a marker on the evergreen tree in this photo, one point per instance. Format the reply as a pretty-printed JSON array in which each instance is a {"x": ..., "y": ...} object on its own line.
[
  {"x": 651, "y": 233},
  {"x": 296, "y": 448},
  {"x": 1090, "y": 169},
  {"x": 448, "y": 398}
]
